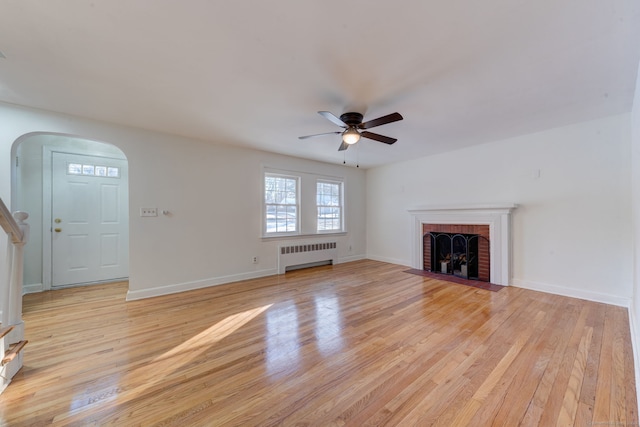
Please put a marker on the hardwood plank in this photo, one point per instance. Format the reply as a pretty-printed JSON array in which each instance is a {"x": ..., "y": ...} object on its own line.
[
  {"x": 588, "y": 392},
  {"x": 602, "y": 404},
  {"x": 617, "y": 410},
  {"x": 356, "y": 344},
  {"x": 570, "y": 402}
]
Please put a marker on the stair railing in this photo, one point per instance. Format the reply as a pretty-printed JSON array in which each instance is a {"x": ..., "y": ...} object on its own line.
[{"x": 18, "y": 233}]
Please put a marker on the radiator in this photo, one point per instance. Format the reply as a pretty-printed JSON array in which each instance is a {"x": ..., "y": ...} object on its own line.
[{"x": 307, "y": 253}]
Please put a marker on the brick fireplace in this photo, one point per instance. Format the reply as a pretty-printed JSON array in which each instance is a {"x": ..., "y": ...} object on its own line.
[{"x": 492, "y": 225}]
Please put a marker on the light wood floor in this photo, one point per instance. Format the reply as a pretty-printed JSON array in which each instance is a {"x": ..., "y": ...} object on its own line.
[{"x": 358, "y": 344}]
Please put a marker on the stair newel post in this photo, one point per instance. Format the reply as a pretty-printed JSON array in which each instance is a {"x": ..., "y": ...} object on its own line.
[{"x": 5, "y": 285}]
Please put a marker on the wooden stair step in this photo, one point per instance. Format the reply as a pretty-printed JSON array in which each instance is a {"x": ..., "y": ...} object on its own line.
[
  {"x": 5, "y": 331},
  {"x": 13, "y": 351}
]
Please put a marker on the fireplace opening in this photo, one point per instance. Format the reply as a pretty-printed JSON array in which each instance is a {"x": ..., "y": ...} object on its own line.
[
  {"x": 455, "y": 254},
  {"x": 461, "y": 251}
]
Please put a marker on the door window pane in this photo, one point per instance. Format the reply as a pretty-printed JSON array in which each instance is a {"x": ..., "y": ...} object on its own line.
[
  {"x": 74, "y": 169},
  {"x": 101, "y": 171}
]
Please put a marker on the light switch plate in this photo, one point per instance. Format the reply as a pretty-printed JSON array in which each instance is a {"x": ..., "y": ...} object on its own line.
[{"x": 148, "y": 211}]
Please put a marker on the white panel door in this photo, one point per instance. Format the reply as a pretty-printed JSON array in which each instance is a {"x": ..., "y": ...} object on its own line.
[{"x": 90, "y": 235}]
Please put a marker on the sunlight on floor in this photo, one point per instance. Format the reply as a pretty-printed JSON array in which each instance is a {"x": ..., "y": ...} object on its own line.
[
  {"x": 212, "y": 335},
  {"x": 164, "y": 367}
]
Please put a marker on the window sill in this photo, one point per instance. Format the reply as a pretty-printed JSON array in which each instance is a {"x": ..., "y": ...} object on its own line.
[{"x": 303, "y": 236}]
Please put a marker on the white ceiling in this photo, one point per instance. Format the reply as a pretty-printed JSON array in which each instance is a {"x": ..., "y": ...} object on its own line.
[{"x": 255, "y": 73}]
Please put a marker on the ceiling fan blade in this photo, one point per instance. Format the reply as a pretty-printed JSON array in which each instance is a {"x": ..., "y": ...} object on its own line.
[
  {"x": 389, "y": 118},
  {"x": 332, "y": 118},
  {"x": 378, "y": 137},
  {"x": 319, "y": 134},
  {"x": 343, "y": 146}
]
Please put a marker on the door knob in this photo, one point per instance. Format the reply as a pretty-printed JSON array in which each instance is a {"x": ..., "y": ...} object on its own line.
[
  {"x": 57, "y": 220},
  {"x": 57, "y": 230}
]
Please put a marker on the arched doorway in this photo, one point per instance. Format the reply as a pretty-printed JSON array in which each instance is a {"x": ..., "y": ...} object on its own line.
[{"x": 76, "y": 192}]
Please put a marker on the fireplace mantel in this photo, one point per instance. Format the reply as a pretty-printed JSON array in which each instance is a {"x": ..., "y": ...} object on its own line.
[{"x": 497, "y": 217}]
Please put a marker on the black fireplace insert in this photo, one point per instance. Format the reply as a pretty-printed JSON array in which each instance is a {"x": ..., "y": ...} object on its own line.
[{"x": 454, "y": 253}]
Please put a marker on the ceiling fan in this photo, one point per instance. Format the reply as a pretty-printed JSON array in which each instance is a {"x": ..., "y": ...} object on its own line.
[{"x": 352, "y": 123}]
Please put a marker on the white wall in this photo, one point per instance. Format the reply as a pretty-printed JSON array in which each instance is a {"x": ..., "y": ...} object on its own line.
[
  {"x": 634, "y": 311},
  {"x": 572, "y": 229},
  {"x": 213, "y": 192}
]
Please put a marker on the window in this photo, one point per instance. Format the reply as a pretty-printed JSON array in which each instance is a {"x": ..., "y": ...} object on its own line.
[
  {"x": 297, "y": 203},
  {"x": 329, "y": 206},
  {"x": 93, "y": 170},
  {"x": 281, "y": 204},
  {"x": 113, "y": 172},
  {"x": 74, "y": 169}
]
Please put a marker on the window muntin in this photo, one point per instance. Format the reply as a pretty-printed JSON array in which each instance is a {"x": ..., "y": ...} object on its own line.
[
  {"x": 281, "y": 204},
  {"x": 329, "y": 206}
]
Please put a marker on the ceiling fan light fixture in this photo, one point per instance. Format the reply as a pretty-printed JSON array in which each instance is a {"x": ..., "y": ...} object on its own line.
[
  {"x": 351, "y": 122},
  {"x": 350, "y": 136}
]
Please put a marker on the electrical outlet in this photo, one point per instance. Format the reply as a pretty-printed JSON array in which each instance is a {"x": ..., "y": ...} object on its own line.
[
  {"x": 254, "y": 259},
  {"x": 148, "y": 211}
]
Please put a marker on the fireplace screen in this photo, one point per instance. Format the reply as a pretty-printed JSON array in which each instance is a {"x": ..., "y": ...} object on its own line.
[{"x": 455, "y": 254}]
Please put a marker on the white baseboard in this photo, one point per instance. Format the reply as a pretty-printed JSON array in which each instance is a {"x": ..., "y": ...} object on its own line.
[
  {"x": 351, "y": 258},
  {"x": 572, "y": 292},
  {"x": 402, "y": 262},
  {"x": 198, "y": 284},
  {"x": 32, "y": 288}
]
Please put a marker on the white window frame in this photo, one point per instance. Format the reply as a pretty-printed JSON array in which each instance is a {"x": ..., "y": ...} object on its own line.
[
  {"x": 266, "y": 205},
  {"x": 340, "y": 205},
  {"x": 307, "y": 207}
]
